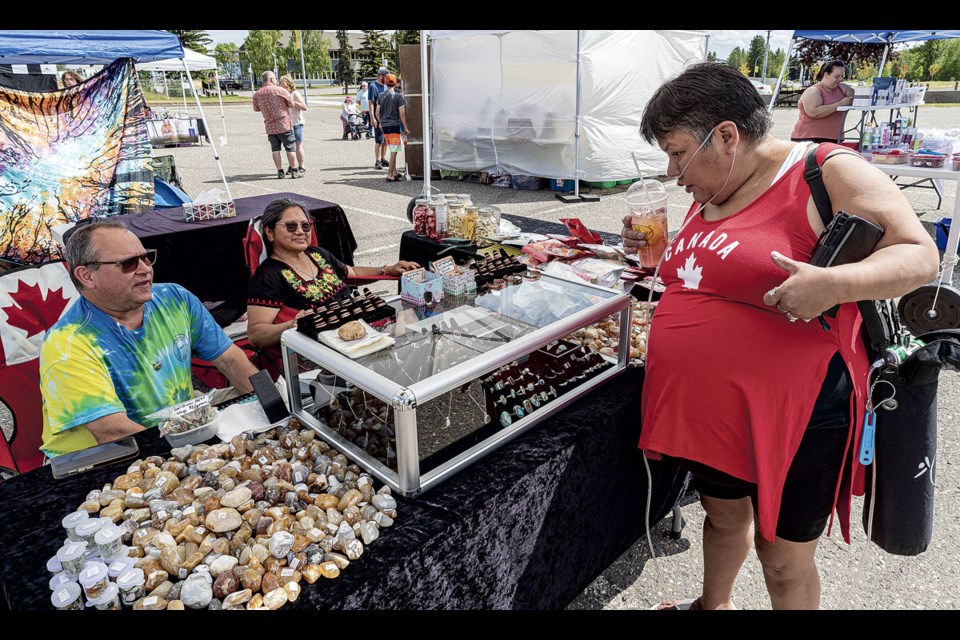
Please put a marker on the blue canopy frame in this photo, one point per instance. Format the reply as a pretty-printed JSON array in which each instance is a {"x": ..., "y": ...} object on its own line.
[
  {"x": 99, "y": 47},
  {"x": 862, "y": 36},
  {"x": 86, "y": 47}
]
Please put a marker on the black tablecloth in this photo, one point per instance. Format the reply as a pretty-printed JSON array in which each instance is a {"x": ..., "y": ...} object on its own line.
[
  {"x": 207, "y": 257},
  {"x": 423, "y": 250},
  {"x": 527, "y": 527}
]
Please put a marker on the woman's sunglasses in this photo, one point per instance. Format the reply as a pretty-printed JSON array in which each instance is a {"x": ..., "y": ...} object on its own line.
[
  {"x": 292, "y": 227},
  {"x": 129, "y": 265}
]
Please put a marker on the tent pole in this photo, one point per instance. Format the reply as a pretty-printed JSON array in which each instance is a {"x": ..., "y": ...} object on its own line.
[
  {"x": 303, "y": 67},
  {"x": 223, "y": 119},
  {"x": 166, "y": 89},
  {"x": 883, "y": 59},
  {"x": 213, "y": 146},
  {"x": 783, "y": 72},
  {"x": 576, "y": 129},
  {"x": 425, "y": 97},
  {"x": 184, "y": 93}
]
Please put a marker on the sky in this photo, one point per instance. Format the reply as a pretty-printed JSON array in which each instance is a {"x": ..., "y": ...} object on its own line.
[{"x": 722, "y": 41}]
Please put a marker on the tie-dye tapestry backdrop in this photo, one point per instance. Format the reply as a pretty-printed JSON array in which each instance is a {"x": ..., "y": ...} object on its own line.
[{"x": 69, "y": 155}]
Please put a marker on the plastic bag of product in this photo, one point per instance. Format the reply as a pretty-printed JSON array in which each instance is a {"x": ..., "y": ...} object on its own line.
[
  {"x": 604, "y": 272},
  {"x": 567, "y": 272},
  {"x": 185, "y": 416},
  {"x": 550, "y": 249}
]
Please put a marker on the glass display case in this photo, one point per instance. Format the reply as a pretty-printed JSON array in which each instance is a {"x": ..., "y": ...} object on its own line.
[{"x": 458, "y": 379}]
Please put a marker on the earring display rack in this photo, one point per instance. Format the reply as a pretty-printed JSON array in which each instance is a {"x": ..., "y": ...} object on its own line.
[
  {"x": 463, "y": 377},
  {"x": 331, "y": 315}
]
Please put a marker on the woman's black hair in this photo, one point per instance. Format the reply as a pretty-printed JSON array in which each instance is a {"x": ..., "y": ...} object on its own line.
[
  {"x": 828, "y": 68},
  {"x": 702, "y": 97},
  {"x": 273, "y": 212}
]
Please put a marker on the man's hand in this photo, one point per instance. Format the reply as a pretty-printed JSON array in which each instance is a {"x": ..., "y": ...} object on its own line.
[{"x": 632, "y": 240}]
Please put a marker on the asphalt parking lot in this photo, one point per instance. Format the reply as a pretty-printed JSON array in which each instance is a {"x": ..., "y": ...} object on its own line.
[{"x": 855, "y": 576}]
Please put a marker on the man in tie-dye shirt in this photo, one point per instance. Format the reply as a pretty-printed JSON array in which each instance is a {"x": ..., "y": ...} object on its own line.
[{"x": 123, "y": 350}]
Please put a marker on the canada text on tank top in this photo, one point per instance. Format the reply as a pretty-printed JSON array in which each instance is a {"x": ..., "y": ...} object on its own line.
[{"x": 730, "y": 258}]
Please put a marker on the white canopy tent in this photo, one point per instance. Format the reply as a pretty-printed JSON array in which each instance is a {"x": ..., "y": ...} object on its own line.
[
  {"x": 194, "y": 61},
  {"x": 562, "y": 104}
]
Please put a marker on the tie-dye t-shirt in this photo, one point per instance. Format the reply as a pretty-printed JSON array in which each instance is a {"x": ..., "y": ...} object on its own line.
[{"x": 91, "y": 366}]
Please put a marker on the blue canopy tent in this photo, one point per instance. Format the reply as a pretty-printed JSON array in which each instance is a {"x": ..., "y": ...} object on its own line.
[
  {"x": 98, "y": 47},
  {"x": 861, "y": 36}
]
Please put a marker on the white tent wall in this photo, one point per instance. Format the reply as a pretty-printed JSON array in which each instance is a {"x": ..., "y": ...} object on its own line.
[
  {"x": 491, "y": 93},
  {"x": 620, "y": 70},
  {"x": 482, "y": 81}
]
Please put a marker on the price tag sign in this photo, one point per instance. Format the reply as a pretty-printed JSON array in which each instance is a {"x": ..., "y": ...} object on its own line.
[
  {"x": 417, "y": 275},
  {"x": 444, "y": 266},
  {"x": 191, "y": 405}
]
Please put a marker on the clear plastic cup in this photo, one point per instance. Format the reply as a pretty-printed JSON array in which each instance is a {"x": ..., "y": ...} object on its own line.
[
  {"x": 67, "y": 597},
  {"x": 94, "y": 579},
  {"x": 109, "y": 542},
  {"x": 71, "y": 521},
  {"x": 120, "y": 566},
  {"x": 131, "y": 584},
  {"x": 59, "y": 580},
  {"x": 647, "y": 206},
  {"x": 71, "y": 557},
  {"x": 108, "y": 600}
]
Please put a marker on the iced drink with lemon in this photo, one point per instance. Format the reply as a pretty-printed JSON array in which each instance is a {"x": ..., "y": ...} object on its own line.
[{"x": 647, "y": 204}]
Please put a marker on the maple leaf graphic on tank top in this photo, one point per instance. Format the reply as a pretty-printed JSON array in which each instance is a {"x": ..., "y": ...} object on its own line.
[{"x": 690, "y": 273}]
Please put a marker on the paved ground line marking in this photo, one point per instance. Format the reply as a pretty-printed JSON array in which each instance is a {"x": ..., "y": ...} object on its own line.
[
  {"x": 377, "y": 249},
  {"x": 376, "y": 214}
]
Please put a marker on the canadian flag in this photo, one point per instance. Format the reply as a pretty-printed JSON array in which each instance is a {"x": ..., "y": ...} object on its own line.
[{"x": 32, "y": 299}]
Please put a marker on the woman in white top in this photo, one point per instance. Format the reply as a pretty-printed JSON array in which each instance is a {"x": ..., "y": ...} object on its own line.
[
  {"x": 296, "y": 117},
  {"x": 364, "y": 101}
]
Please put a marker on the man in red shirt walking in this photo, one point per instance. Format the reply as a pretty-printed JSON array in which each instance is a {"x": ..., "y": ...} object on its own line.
[{"x": 274, "y": 102}]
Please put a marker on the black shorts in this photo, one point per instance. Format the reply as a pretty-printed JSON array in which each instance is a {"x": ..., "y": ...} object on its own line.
[
  {"x": 811, "y": 483},
  {"x": 287, "y": 140},
  {"x": 378, "y": 135}
]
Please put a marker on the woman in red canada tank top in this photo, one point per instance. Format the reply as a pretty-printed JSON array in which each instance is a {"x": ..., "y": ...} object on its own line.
[{"x": 760, "y": 404}]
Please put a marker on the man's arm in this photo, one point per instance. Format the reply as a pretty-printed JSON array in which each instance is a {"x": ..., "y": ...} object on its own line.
[
  {"x": 113, "y": 427},
  {"x": 256, "y": 103},
  {"x": 233, "y": 363},
  {"x": 403, "y": 119}
]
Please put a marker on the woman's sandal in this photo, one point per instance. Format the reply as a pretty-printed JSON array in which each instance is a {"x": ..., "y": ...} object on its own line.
[
  {"x": 394, "y": 179},
  {"x": 687, "y": 604}
]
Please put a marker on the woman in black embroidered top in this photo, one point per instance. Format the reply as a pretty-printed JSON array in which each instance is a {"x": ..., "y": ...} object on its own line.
[{"x": 295, "y": 276}]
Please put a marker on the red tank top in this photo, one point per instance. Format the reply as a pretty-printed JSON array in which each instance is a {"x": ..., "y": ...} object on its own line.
[
  {"x": 730, "y": 382},
  {"x": 829, "y": 127}
]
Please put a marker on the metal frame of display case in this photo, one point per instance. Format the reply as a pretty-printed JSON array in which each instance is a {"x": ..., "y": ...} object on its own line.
[{"x": 404, "y": 400}]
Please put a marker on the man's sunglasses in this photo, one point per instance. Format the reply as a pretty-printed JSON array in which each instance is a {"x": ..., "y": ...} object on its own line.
[
  {"x": 129, "y": 265},
  {"x": 291, "y": 227}
]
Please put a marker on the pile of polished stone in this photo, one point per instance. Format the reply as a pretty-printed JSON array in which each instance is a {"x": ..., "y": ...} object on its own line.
[
  {"x": 239, "y": 525},
  {"x": 604, "y": 336}
]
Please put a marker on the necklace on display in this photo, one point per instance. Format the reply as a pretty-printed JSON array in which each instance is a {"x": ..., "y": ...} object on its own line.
[{"x": 486, "y": 416}]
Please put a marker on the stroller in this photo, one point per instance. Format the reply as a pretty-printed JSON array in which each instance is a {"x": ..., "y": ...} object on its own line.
[{"x": 356, "y": 127}]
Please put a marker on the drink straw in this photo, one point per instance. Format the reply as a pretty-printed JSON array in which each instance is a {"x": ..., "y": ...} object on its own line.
[{"x": 636, "y": 163}]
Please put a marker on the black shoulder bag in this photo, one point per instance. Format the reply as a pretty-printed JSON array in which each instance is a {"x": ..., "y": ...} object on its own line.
[
  {"x": 898, "y": 504},
  {"x": 848, "y": 238}
]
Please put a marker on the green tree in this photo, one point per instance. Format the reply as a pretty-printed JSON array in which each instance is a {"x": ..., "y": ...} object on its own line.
[
  {"x": 711, "y": 56},
  {"x": 315, "y": 53},
  {"x": 925, "y": 56},
  {"x": 737, "y": 58},
  {"x": 376, "y": 47},
  {"x": 813, "y": 53},
  {"x": 226, "y": 52},
  {"x": 397, "y": 38},
  {"x": 949, "y": 60},
  {"x": 344, "y": 67},
  {"x": 260, "y": 46},
  {"x": 775, "y": 63},
  {"x": 193, "y": 39},
  {"x": 755, "y": 55}
]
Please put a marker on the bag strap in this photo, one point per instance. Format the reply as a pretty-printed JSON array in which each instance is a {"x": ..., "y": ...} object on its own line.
[{"x": 813, "y": 174}]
